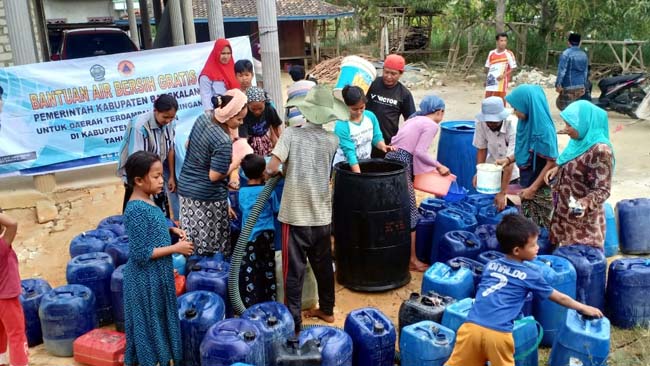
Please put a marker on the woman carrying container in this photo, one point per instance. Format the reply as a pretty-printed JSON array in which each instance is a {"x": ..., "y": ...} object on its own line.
[
  {"x": 583, "y": 178},
  {"x": 218, "y": 74},
  {"x": 411, "y": 147},
  {"x": 202, "y": 185},
  {"x": 535, "y": 151},
  {"x": 360, "y": 133}
]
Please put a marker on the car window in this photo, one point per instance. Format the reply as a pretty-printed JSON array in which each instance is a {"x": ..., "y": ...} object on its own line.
[{"x": 96, "y": 44}]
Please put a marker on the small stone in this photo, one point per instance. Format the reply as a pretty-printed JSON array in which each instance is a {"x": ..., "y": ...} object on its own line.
[
  {"x": 77, "y": 204},
  {"x": 60, "y": 226},
  {"x": 46, "y": 211},
  {"x": 440, "y": 83}
]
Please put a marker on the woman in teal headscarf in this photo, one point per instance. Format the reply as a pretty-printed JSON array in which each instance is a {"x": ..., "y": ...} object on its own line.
[
  {"x": 583, "y": 177},
  {"x": 535, "y": 151}
]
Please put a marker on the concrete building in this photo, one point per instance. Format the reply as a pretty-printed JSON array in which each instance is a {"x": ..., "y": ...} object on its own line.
[{"x": 6, "y": 57}]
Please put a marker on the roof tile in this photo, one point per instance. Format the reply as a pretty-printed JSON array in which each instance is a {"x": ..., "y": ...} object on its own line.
[{"x": 285, "y": 8}]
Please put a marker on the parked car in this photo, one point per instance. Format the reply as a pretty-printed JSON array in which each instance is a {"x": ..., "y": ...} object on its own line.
[{"x": 88, "y": 42}]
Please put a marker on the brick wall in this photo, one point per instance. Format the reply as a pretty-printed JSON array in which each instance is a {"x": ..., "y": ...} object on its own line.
[
  {"x": 5, "y": 47},
  {"x": 6, "y": 58}
]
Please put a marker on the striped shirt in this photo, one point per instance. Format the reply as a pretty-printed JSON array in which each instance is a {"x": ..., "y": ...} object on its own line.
[
  {"x": 143, "y": 133},
  {"x": 307, "y": 154},
  {"x": 209, "y": 148}
]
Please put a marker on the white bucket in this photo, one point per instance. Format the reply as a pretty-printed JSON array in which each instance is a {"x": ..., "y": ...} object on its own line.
[
  {"x": 355, "y": 71},
  {"x": 488, "y": 178}
]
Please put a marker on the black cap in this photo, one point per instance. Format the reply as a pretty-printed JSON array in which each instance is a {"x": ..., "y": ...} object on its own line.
[
  {"x": 271, "y": 321},
  {"x": 378, "y": 327},
  {"x": 249, "y": 336},
  {"x": 190, "y": 313}
]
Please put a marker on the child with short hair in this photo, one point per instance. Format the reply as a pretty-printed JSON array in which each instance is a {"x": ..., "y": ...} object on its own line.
[
  {"x": 297, "y": 72},
  {"x": 12, "y": 319},
  {"x": 257, "y": 275},
  {"x": 359, "y": 133},
  {"x": 152, "y": 328},
  {"x": 487, "y": 333},
  {"x": 306, "y": 206},
  {"x": 244, "y": 74},
  {"x": 262, "y": 124}
]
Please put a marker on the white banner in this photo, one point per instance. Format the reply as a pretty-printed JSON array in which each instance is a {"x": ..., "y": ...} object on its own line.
[{"x": 66, "y": 114}]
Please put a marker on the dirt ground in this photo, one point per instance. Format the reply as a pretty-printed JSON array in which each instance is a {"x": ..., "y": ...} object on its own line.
[{"x": 84, "y": 197}]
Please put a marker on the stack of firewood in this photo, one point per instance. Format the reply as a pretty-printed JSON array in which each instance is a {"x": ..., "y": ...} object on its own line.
[{"x": 327, "y": 72}]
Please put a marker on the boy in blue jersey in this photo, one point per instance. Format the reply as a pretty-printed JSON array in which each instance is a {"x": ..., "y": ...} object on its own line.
[
  {"x": 487, "y": 333},
  {"x": 257, "y": 274}
]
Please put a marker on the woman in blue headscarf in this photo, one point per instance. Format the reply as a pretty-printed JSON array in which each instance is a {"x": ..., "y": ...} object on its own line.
[
  {"x": 411, "y": 147},
  {"x": 583, "y": 178},
  {"x": 535, "y": 151}
]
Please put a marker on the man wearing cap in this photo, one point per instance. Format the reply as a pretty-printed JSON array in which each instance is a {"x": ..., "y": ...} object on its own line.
[
  {"x": 306, "y": 207},
  {"x": 494, "y": 139},
  {"x": 388, "y": 99},
  {"x": 571, "y": 73}
]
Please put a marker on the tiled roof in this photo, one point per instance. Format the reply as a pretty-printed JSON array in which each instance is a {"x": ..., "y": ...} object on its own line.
[{"x": 287, "y": 9}]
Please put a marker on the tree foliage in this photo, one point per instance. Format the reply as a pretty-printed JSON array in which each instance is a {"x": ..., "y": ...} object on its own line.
[
  {"x": 551, "y": 20},
  {"x": 601, "y": 18}
]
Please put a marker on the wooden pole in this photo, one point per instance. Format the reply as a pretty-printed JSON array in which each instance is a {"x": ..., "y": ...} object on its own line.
[
  {"x": 157, "y": 11},
  {"x": 267, "y": 21},
  {"x": 188, "y": 22},
  {"x": 215, "y": 20},
  {"x": 317, "y": 40},
  {"x": 145, "y": 24},
  {"x": 133, "y": 24},
  {"x": 312, "y": 49},
  {"x": 176, "y": 21},
  {"x": 337, "y": 24},
  {"x": 500, "y": 15}
]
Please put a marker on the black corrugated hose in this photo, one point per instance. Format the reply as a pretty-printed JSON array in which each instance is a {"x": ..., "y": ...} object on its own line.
[{"x": 240, "y": 248}]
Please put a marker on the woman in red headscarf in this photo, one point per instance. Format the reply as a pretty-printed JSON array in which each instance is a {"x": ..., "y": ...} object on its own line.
[{"x": 218, "y": 74}]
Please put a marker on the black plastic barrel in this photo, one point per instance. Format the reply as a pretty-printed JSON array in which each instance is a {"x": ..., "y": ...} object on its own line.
[{"x": 372, "y": 225}]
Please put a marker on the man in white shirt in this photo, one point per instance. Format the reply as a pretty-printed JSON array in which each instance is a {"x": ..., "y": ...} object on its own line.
[{"x": 494, "y": 139}]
